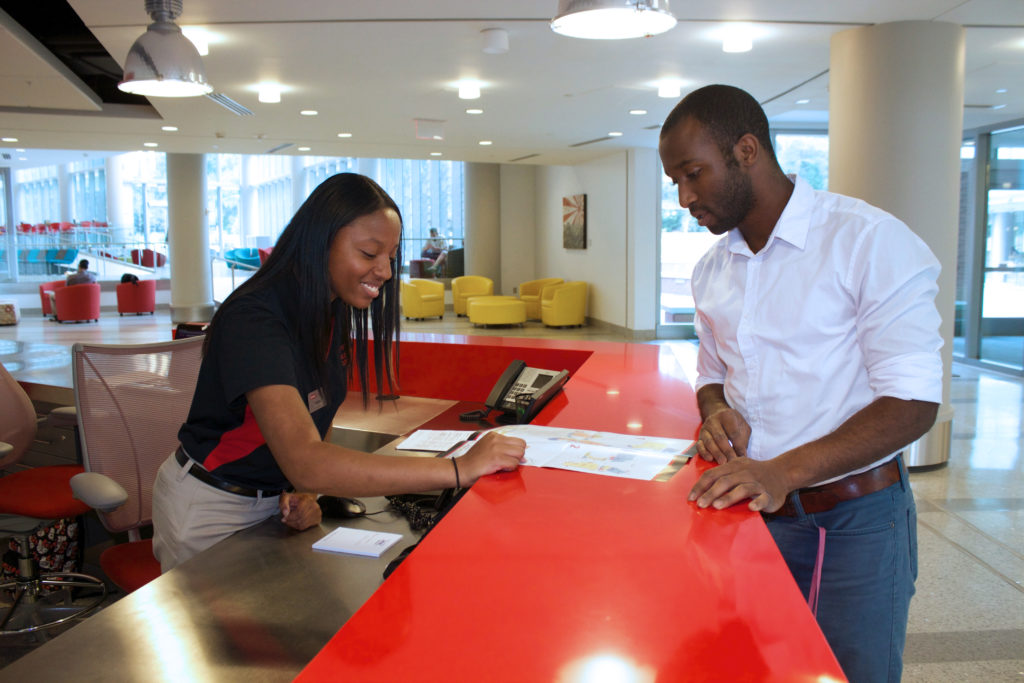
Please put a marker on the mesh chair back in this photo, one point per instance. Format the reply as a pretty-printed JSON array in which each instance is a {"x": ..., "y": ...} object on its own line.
[{"x": 131, "y": 400}]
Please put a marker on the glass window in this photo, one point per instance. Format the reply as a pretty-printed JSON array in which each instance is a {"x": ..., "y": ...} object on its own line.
[
  {"x": 806, "y": 155},
  {"x": 1002, "y": 321}
]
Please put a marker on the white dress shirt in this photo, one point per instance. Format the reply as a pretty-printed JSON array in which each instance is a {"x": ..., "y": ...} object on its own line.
[{"x": 834, "y": 312}]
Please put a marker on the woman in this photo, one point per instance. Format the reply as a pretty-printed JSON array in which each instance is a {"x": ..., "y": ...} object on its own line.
[{"x": 277, "y": 357}]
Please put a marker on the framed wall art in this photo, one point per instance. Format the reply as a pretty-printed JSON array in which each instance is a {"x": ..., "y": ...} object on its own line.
[{"x": 574, "y": 221}]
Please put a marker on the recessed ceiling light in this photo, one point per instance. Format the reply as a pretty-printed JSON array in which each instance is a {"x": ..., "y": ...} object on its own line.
[
  {"x": 485, "y": 143},
  {"x": 737, "y": 38},
  {"x": 669, "y": 90},
  {"x": 998, "y": 106},
  {"x": 1000, "y": 90},
  {"x": 435, "y": 154},
  {"x": 469, "y": 90},
  {"x": 20, "y": 151},
  {"x": 474, "y": 111},
  {"x": 150, "y": 144},
  {"x": 803, "y": 101},
  {"x": 304, "y": 149},
  {"x": 309, "y": 112},
  {"x": 615, "y": 134},
  {"x": 169, "y": 129},
  {"x": 268, "y": 93},
  {"x": 8, "y": 139},
  {"x": 637, "y": 112},
  {"x": 344, "y": 135}
]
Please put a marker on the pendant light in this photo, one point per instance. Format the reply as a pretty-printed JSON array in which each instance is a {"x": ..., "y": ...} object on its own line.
[
  {"x": 163, "y": 62},
  {"x": 612, "y": 19}
]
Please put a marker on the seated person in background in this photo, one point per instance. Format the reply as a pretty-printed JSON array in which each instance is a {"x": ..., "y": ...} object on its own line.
[
  {"x": 436, "y": 249},
  {"x": 82, "y": 276},
  {"x": 277, "y": 358}
]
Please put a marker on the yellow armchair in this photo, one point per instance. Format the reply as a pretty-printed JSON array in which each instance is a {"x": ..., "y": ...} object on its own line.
[
  {"x": 530, "y": 292},
  {"x": 467, "y": 286},
  {"x": 422, "y": 298},
  {"x": 564, "y": 305}
]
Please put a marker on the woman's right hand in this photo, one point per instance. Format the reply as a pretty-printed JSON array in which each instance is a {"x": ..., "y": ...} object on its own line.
[{"x": 492, "y": 453}]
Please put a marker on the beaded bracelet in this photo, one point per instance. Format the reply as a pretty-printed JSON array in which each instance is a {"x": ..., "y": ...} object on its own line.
[{"x": 458, "y": 484}]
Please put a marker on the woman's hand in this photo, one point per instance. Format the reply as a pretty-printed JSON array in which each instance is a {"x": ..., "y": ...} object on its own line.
[
  {"x": 300, "y": 510},
  {"x": 492, "y": 453}
]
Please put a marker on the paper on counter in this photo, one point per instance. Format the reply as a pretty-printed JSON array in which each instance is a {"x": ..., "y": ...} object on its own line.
[
  {"x": 437, "y": 440},
  {"x": 357, "y": 542}
]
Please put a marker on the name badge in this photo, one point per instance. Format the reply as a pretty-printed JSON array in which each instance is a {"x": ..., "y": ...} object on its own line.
[{"x": 315, "y": 401}]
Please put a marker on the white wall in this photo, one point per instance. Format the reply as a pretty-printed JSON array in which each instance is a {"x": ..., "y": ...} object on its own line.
[{"x": 518, "y": 215}]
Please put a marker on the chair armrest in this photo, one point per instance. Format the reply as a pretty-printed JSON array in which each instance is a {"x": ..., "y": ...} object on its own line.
[
  {"x": 98, "y": 491},
  {"x": 5, "y": 449}
]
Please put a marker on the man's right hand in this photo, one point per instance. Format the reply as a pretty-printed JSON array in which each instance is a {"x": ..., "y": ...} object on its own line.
[{"x": 723, "y": 436}]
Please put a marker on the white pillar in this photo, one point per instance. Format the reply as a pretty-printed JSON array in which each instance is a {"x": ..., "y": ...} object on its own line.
[
  {"x": 188, "y": 238},
  {"x": 119, "y": 206},
  {"x": 483, "y": 222},
  {"x": 895, "y": 131}
]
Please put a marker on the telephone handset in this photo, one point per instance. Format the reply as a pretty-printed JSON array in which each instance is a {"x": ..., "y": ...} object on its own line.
[{"x": 522, "y": 391}]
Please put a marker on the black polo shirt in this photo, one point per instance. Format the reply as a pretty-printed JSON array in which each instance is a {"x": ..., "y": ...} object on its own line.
[{"x": 254, "y": 344}]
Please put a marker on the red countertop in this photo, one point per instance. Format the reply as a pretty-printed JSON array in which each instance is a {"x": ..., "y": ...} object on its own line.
[{"x": 549, "y": 575}]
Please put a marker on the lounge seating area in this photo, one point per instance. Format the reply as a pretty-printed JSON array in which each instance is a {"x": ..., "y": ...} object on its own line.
[
  {"x": 77, "y": 303},
  {"x": 551, "y": 301}
]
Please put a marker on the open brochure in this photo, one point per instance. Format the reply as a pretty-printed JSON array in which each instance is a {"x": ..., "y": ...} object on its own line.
[{"x": 617, "y": 455}]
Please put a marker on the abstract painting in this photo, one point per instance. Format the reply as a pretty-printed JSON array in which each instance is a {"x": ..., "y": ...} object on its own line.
[{"x": 574, "y": 221}]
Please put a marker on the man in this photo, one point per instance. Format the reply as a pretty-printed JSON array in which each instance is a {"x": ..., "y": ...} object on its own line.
[
  {"x": 818, "y": 362},
  {"x": 82, "y": 276}
]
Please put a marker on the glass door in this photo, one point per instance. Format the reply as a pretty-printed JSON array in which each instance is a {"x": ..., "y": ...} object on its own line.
[{"x": 1002, "y": 313}]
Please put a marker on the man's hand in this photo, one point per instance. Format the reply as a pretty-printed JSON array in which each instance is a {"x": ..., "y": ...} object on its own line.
[
  {"x": 723, "y": 436},
  {"x": 300, "y": 510},
  {"x": 764, "y": 482}
]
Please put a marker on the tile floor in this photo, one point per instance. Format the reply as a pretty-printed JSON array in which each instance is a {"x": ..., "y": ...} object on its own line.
[{"x": 967, "y": 619}]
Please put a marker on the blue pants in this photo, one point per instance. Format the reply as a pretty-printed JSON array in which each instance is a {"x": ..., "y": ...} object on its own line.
[{"x": 867, "y": 577}]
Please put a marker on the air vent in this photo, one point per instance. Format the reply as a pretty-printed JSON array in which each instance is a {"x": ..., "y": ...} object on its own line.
[
  {"x": 590, "y": 142},
  {"x": 523, "y": 158},
  {"x": 656, "y": 126},
  {"x": 229, "y": 104},
  {"x": 279, "y": 147}
]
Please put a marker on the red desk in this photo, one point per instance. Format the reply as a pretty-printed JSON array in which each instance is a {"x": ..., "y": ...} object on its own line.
[{"x": 547, "y": 575}]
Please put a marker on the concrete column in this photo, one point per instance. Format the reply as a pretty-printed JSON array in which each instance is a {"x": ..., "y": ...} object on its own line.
[
  {"x": 64, "y": 188},
  {"x": 483, "y": 222},
  {"x": 188, "y": 238},
  {"x": 895, "y": 130},
  {"x": 643, "y": 204},
  {"x": 119, "y": 206}
]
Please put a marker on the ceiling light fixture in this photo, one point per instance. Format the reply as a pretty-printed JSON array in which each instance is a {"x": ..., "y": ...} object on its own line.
[
  {"x": 495, "y": 41},
  {"x": 268, "y": 93},
  {"x": 344, "y": 135},
  {"x": 612, "y": 19},
  {"x": 737, "y": 38},
  {"x": 474, "y": 111},
  {"x": 469, "y": 90},
  {"x": 150, "y": 144},
  {"x": 199, "y": 37},
  {"x": 486, "y": 143},
  {"x": 615, "y": 134},
  {"x": 169, "y": 129},
  {"x": 637, "y": 112},
  {"x": 309, "y": 112},
  {"x": 8, "y": 139},
  {"x": 163, "y": 62},
  {"x": 669, "y": 90}
]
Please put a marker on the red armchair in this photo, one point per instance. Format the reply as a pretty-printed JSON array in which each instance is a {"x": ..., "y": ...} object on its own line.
[
  {"x": 136, "y": 297},
  {"x": 148, "y": 258},
  {"x": 44, "y": 296},
  {"x": 78, "y": 303}
]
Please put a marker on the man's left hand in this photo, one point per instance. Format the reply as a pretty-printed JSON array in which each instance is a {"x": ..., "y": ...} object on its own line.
[
  {"x": 763, "y": 482},
  {"x": 300, "y": 510}
]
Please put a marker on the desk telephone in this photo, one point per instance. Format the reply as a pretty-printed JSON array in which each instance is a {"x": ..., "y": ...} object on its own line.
[{"x": 522, "y": 391}]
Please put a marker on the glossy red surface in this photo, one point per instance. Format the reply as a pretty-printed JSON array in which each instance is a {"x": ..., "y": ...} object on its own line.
[{"x": 548, "y": 575}]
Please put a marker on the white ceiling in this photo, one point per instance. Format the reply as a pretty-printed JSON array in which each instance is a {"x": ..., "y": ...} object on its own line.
[{"x": 371, "y": 68}]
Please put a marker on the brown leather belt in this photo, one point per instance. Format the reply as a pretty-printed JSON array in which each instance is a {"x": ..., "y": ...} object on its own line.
[
  {"x": 825, "y": 497},
  {"x": 202, "y": 475}
]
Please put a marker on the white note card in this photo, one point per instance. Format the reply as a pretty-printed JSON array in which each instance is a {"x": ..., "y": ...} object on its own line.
[{"x": 357, "y": 542}]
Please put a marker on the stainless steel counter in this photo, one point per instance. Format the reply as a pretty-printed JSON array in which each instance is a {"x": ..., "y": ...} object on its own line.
[{"x": 255, "y": 607}]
